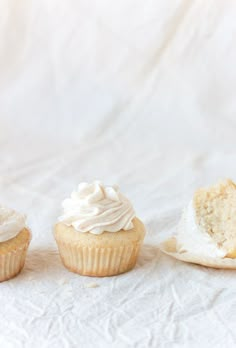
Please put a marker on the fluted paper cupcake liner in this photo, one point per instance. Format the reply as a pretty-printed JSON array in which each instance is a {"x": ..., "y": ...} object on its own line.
[
  {"x": 12, "y": 262},
  {"x": 97, "y": 261},
  {"x": 169, "y": 247}
]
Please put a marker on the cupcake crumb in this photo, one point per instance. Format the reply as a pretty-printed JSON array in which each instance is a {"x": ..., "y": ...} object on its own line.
[
  {"x": 91, "y": 285},
  {"x": 62, "y": 281}
]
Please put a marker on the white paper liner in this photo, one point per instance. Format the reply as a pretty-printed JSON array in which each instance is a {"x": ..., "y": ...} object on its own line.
[{"x": 169, "y": 247}]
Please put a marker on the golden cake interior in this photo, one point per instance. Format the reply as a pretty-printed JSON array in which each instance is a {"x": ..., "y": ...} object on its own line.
[{"x": 216, "y": 213}]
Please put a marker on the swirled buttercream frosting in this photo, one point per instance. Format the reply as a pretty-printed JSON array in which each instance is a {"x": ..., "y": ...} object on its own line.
[
  {"x": 11, "y": 223},
  {"x": 97, "y": 208}
]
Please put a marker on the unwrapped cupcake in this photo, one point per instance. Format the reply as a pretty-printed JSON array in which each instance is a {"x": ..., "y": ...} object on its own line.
[
  {"x": 14, "y": 241},
  {"x": 98, "y": 233},
  {"x": 208, "y": 224},
  {"x": 207, "y": 231}
]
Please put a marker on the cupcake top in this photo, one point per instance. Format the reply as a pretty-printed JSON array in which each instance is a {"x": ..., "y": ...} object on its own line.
[
  {"x": 11, "y": 223},
  {"x": 208, "y": 224},
  {"x": 97, "y": 208}
]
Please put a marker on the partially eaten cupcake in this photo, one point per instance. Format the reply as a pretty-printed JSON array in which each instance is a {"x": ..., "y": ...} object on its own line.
[
  {"x": 208, "y": 224},
  {"x": 98, "y": 233}
]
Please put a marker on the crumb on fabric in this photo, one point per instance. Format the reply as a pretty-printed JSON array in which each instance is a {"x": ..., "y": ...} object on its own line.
[{"x": 91, "y": 285}]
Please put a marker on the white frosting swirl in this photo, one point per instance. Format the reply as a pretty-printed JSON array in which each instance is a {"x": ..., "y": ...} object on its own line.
[
  {"x": 192, "y": 238},
  {"x": 96, "y": 208},
  {"x": 11, "y": 223}
]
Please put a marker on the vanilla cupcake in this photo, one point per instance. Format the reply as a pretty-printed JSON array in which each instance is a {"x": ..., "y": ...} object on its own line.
[
  {"x": 14, "y": 241},
  {"x": 98, "y": 233},
  {"x": 208, "y": 224}
]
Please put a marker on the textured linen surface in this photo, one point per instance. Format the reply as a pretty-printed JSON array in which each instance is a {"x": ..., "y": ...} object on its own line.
[{"x": 138, "y": 93}]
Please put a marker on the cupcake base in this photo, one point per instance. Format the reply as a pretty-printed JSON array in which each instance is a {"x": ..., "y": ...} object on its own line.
[
  {"x": 102, "y": 255},
  {"x": 13, "y": 254},
  {"x": 98, "y": 262}
]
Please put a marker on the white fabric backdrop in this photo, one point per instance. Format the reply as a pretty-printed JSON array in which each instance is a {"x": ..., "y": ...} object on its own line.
[{"x": 136, "y": 93}]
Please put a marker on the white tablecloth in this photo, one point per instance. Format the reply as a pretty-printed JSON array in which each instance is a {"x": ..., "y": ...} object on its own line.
[{"x": 139, "y": 93}]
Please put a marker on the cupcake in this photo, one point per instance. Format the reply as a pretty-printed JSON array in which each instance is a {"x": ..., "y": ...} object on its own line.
[
  {"x": 208, "y": 224},
  {"x": 98, "y": 233},
  {"x": 14, "y": 241}
]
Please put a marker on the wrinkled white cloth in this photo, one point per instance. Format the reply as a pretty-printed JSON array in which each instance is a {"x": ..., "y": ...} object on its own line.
[{"x": 141, "y": 94}]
